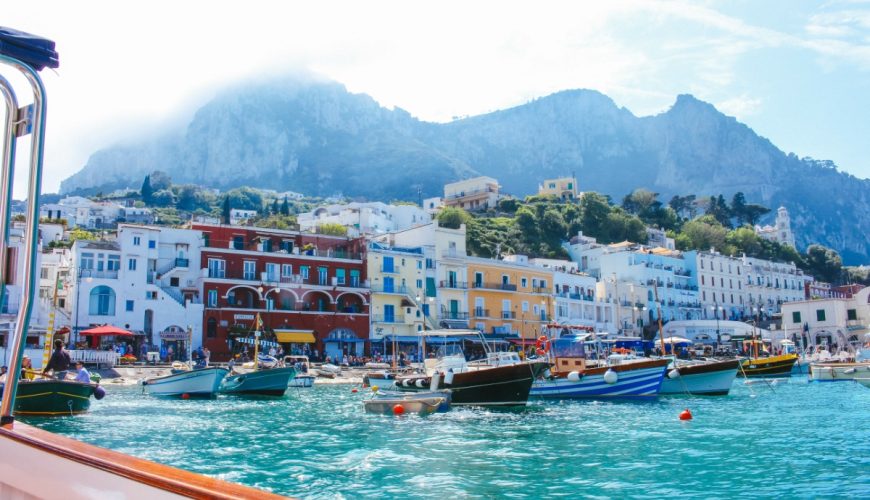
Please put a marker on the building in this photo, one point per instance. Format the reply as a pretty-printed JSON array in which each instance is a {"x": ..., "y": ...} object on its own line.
[
  {"x": 433, "y": 205},
  {"x": 781, "y": 231},
  {"x": 397, "y": 277},
  {"x": 770, "y": 284},
  {"x": 720, "y": 280},
  {"x": 145, "y": 281},
  {"x": 310, "y": 291},
  {"x": 658, "y": 238},
  {"x": 364, "y": 218},
  {"x": 564, "y": 188},
  {"x": 478, "y": 193},
  {"x": 136, "y": 215},
  {"x": 828, "y": 322},
  {"x": 576, "y": 297},
  {"x": 509, "y": 298},
  {"x": 240, "y": 216}
]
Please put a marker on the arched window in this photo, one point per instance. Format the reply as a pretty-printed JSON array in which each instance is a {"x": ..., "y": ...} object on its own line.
[
  {"x": 211, "y": 328},
  {"x": 102, "y": 301}
]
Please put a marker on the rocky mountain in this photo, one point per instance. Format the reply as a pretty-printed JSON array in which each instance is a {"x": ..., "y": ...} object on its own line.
[{"x": 319, "y": 139}]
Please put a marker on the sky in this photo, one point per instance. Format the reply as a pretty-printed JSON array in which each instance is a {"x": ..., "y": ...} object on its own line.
[{"x": 797, "y": 72}]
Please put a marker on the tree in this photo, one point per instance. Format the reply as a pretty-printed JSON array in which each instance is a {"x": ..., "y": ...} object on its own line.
[
  {"x": 738, "y": 207},
  {"x": 160, "y": 180},
  {"x": 684, "y": 206},
  {"x": 275, "y": 209},
  {"x": 147, "y": 191},
  {"x": 703, "y": 233},
  {"x": 640, "y": 200},
  {"x": 285, "y": 207},
  {"x": 163, "y": 198},
  {"x": 719, "y": 209},
  {"x": 453, "y": 217},
  {"x": 594, "y": 209},
  {"x": 225, "y": 210},
  {"x": 753, "y": 212},
  {"x": 332, "y": 229},
  {"x": 824, "y": 263}
]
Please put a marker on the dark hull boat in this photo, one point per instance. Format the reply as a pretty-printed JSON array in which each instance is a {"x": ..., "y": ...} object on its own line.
[
  {"x": 271, "y": 382},
  {"x": 53, "y": 397},
  {"x": 774, "y": 366}
]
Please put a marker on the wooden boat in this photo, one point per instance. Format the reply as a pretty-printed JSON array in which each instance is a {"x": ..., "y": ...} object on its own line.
[
  {"x": 202, "y": 383},
  {"x": 501, "y": 379},
  {"x": 838, "y": 372},
  {"x": 708, "y": 378},
  {"x": 53, "y": 397},
  {"x": 267, "y": 382},
  {"x": 421, "y": 403},
  {"x": 304, "y": 377},
  {"x": 773, "y": 366},
  {"x": 76, "y": 469}
]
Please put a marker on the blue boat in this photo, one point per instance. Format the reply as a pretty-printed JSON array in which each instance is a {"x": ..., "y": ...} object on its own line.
[{"x": 268, "y": 382}]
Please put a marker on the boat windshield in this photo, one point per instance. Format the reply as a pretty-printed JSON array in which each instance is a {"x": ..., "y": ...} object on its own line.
[
  {"x": 568, "y": 348},
  {"x": 450, "y": 350}
]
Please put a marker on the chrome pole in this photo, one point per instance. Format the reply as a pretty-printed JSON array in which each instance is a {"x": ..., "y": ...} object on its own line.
[
  {"x": 31, "y": 235},
  {"x": 6, "y": 170}
]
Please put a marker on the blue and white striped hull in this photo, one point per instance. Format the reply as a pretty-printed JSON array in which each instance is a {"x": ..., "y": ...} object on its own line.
[{"x": 642, "y": 382}]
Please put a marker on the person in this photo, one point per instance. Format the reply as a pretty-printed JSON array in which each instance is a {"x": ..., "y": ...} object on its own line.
[
  {"x": 206, "y": 355},
  {"x": 27, "y": 368},
  {"x": 3, "y": 370},
  {"x": 169, "y": 353},
  {"x": 59, "y": 361},
  {"x": 272, "y": 351},
  {"x": 82, "y": 374}
]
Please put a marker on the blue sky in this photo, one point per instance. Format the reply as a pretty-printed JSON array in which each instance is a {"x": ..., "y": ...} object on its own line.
[{"x": 797, "y": 72}]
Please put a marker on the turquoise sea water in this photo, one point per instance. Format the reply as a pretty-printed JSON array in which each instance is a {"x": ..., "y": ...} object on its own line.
[{"x": 801, "y": 441}]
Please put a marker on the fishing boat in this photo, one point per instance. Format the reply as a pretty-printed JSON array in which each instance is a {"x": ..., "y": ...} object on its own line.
[
  {"x": 76, "y": 469},
  {"x": 54, "y": 397},
  {"x": 499, "y": 379},
  {"x": 700, "y": 377},
  {"x": 266, "y": 381},
  {"x": 771, "y": 366},
  {"x": 199, "y": 383},
  {"x": 572, "y": 375},
  {"x": 420, "y": 403},
  {"x": 838, "y": 372},
  {"x": 304, "y": 376}
]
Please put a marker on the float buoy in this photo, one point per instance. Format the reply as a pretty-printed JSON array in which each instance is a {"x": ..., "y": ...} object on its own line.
[
  {"x": 610, "y": 376},
  {"x": 185, "y": 396},
  {"x": 574, "y": 376},
  {"x": 686, "y": 415},
  {"x": 420, "y": 383},
  {"x": 354, "y": 390},
  {"x": 673, "y": 373},
  {"x": 99, "y": 393},
  {"x": 398, "y": 410},
  {"x": 374, "y": 388}
]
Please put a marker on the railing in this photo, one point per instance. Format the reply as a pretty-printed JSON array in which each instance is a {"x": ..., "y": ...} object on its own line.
[
  {"x": 463, "y": 194},
  {"x": 182, "y": 262},
  {"x": 510, "y": 287},
  {"x": 453, "y": 314},
  {"x": 91, "y": 273},
  {"x": 480, "y": 312},
  {"x": 400, "y": 289},
  {"x": 452, "y": 254},
  {"x": 175, "y": 294},
  {"x": 508, "y": 315},
  {"x": 390, "y": 269},
  {"x": 89, "y": 356},
  {"x": 540, "y": 289},
  {"x": 381, "y": 318},
  {"x": 454, "y": 284}
]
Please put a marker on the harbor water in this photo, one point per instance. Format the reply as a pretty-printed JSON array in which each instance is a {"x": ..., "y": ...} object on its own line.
[{"x": 789, "y": 440}]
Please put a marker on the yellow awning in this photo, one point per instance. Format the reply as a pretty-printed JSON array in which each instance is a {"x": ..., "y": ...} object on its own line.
[{"x": 295, "y": 336}]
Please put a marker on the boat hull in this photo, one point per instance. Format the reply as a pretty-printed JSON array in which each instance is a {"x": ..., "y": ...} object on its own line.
[
  {"x": 774, "y": 366},
  {"x": 635, "y": 380},
  {"x": 203, "y": 383},
  {"x": 708, "y": 379},
  {"x": 53, "y": 397},
  {"x": 271, "y": 382},
  {"x": 838, "y": 372},
  {"x": 863, "y": 381},
  {"x": 507, "y": 385},
  {"x": 302, "y": 381}
]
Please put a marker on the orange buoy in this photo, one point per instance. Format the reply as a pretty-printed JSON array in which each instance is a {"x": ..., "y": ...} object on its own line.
[
  {"x": 398, "y": 410},
  {"x": 686, "y": 415},
  {"x": 185, "y": 396},
  {"x": 353, "y": 390}
]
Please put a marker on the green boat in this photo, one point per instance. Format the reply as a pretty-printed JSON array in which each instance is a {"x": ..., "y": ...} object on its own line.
[{"x": 53, "y": 397}]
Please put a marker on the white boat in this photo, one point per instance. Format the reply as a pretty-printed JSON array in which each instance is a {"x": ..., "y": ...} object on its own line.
[
  {"x": 328, "y": 370},
  {"x": 420, "y": 403},
  {"x": 709, "y": 378},
  {"x": 193, "y": 383},
  {"x": 838, "y": 372},
  {"x": 304, "y": 376}
]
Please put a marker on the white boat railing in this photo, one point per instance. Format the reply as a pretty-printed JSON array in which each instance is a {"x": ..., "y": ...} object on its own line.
[{"x": 109, "y": 358}]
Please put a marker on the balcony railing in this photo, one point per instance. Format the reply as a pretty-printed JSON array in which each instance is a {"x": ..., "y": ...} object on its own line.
[
  {"x": 472, "y": 192},
  {"x": 381, "y": 318},
  {"x": 510, "y": 287},
  {"x": 508, "y": 315},
  {"x": 480, "y": 312},
  {"x": 182, "y": 263},
  {"x": 91, "y": 273},
  {"x": 400, "y": 289},
  {"x": 454, "y": 284},
  {"x": 390, "y": 269},
  {"x": 453, "y": 314}
]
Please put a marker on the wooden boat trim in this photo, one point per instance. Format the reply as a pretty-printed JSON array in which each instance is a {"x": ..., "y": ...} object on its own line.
[
  {"x": 156, "y": 475},
  {"x": 598, "y": 370},
  {"x": 712, "y": 367}
]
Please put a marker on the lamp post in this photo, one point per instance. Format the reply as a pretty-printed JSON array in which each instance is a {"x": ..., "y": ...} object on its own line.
[
  {"x": 716, "y": 308},
  {"x": 78, "y": 272}
]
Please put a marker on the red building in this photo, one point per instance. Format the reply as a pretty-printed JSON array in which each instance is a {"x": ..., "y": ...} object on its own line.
[{"x": 311, "y": 291}]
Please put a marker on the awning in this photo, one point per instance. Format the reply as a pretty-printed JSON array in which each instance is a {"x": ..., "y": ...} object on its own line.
[
  {"x": 345, "y": 341},
  {"x": 295, "y": 336},
  {"x": 263, "y": 343},
  {"x": 109, "y": 330},
  {"x": 523, "y": 341},
  {"x": 406, "y": 339},
  {"x": 490, "y": 341}
]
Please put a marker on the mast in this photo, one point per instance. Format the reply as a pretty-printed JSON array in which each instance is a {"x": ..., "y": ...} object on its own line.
[
  {"x": 659, "y": 314},
  {"x": 259, "y": 324}
]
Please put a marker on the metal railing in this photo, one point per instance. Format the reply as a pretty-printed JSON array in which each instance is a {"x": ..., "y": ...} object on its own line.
[
  {"x": 453, "y": 284},
  {"x": 509, "y": 287},
  {"x": 381, "y": 318}
]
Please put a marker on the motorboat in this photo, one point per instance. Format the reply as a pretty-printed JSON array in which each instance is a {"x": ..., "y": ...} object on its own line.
[
  {"x": 838, "y": 372},
  {"x": 54, "y": 397},
  {"x": 863, "y": 381},
  {"x": 700, "y": 377},
  {"x": 760, "y": 366},
  {"x": 498, "y": 379},
  {"x": 328, "y": 370},
  {"x": 304, "y": 376},
  {"x": 201, "y": 383},
  {"x": 264, "y": 382},
  {"x": 398, "y": 403}
]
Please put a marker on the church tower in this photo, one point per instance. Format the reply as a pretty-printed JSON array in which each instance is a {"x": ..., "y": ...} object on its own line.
[{"x": 784, "y": 234}]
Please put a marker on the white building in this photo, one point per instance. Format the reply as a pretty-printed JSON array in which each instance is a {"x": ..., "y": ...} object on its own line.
[
  {"x": 82, "y": 212},
  {"x": 365, "y": 218},
  {"x": 770, "y": 284},
  {"x": 240, "y": 216},
  {"x": 659, "y": 238},
  {"x": 781, "y": 231},
  {"x": 145, "y": 281},
  {"x": 827, "y": 322},
  {"x": 577, "y": 298}
]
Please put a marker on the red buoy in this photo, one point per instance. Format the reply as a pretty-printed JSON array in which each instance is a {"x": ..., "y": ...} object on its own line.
[
  {"x": 185, "y": 396},
  {"x": 398, "y": 410},
  {"x": 686, "y": 415},
  {"x": 353, "y": 390}
]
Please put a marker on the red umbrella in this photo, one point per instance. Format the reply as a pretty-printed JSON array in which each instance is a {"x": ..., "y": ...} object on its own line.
[{"x": 107, "y": 330}]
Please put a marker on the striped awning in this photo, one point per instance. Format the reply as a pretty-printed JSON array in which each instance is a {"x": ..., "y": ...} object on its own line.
[
  {"x": 295, "y": 336},
  {"x": 263, "y": 343}
]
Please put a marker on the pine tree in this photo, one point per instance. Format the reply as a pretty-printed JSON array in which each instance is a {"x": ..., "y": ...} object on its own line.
[
  {"x": 285, "y": 207},
  {"x": 275, "y": 206},
  {"x": 147, "y": 192},
  {"x": 225, "y": 210}
]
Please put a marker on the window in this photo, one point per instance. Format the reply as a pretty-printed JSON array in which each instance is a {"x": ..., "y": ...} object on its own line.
[
  {"x": 217, "y": 268},
  {"x": 137, "y": 240},
  {"x": 206, "y": 239},
  {"x": 267, "y": 245},
  {"x": 287, "y": 246},
  {"x": 544, "y": 284},
  {"x": 303, "y": 271},
  {"x": 231, "y": 298},
  {"x": 322, "y": 276},
  {"x": 526, "y": 306},
  {"x": 702, "y": 264},
  {"x": 174, "y": 281},
  {"x": 102, "y": 301},
  {"x": 354, "y": 277},
  {"x": 419, "y": 284},
  {"x": 702, "y": 279},
  {"x": 211, "y": 328},
  {"x": 129, "y": 305},
  {"x": 272, "y": 271},
  {"x": 340, "y": 276},
  {"x": 286, "y": 270},
  {"x": 43, "y": 273},
  {"x": 388, "y": 264},
  {"x": 852, "y": 314},
  {"x": 212, "y": 298},
  {"x": 239, "y": 242},
  {"x": 131, "y": 265},
  {"x": 524, "y": 282},
  {"x": 150, "y": 295},
  {"x": 820, "y": 315},
  {"x": 113, "y": 263},
  {"x": 152, "y": 244},
  {"x": 249, "y": 270},
  {"x": 478, "y": 280},
  {"x": 419, "y": 264}
]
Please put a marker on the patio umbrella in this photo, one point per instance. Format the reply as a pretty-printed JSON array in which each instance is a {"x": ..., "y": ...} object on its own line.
[{"x": 104, "y": 330}]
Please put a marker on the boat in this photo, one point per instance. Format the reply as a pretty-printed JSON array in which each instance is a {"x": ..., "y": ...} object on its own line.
[
  {"x": 270, "y": 380},
  {"x": 54, "y": 397},
  {"x": 381, "y": 378},
  {"x": 199, "y": 383},
  {"x": 420, "y": 403},
  {"x": 863, "y": 381},
  {"x": 328, "y": 370},
  {"x": 700, "y": 377},
  {"x": 838, "y": 372},
  {"x": 77, "y": 469},
  {"x": 617, "y": 376},
  {"x": 499, "y": 379},
  {"x": 304, "y": 376},
  {"x": 770, "y": 366}
]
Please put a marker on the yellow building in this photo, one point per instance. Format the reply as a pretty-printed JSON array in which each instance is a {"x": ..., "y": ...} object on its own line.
[
  {"x": 478, "y": 193},
  {"x": 509, "y": 298},
  {"x": 563, "y": 187},
  {"x": 397, "y": 279}
]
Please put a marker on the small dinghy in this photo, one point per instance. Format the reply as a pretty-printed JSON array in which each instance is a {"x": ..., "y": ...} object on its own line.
[{"x": 400, "y": 403}]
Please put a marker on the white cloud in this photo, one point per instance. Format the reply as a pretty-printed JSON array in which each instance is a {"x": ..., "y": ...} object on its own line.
[{"x": 740, "y": 107}]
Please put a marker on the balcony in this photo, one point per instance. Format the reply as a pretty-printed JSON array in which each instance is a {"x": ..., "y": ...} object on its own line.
[
  {"x": 398, "y": 289},
  {"x": 184, "y": 263},
  {"x": 452, "y": 254},
  {"x": 480, "y": 312},
  {"x": 508, "y": 315},
  {"x": 509, "y": 287},
  {"x": 381, "y": 318},
  {"x": 462, "y": 285},
  {"x": 472, "y": 192},
  {"x": 390, "y": 269},
  {"x": 91, "y": 273},
  {"x": 445, "y": 314}
]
